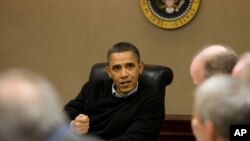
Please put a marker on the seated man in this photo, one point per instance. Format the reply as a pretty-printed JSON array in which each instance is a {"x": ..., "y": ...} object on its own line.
[
  {"x": 214, "y": 59},
  {"x": 220, "y": 101},
  {"x": 122, "y": 108}
]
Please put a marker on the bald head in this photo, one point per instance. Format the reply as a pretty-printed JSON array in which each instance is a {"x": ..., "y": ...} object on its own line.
[
  {"x": 242, "y": 68},
  {"x": 213, "y": 50},
  {"x": 18, "y": 91},
  {"x": 212, "y": 60}
]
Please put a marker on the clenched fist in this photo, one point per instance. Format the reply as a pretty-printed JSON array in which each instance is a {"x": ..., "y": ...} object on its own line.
[{"x": 80, "y": 124}]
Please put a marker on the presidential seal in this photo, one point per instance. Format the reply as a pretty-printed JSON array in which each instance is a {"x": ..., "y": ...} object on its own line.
[{"x": 170, "y": 14}]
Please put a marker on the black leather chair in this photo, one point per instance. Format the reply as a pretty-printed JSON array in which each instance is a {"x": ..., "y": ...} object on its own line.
[{"x": 156, "y": 76}]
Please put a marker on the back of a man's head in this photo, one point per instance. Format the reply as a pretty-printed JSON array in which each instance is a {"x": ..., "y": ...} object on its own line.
[
  {"x": 29, "y": 107},
  {"x": 242, "y": 68},
  {"x": 211, "y": 60},
  {"x": 222, "y": 101}
]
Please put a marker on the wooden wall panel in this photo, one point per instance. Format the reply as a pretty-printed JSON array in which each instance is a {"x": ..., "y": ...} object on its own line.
[{"x": 177, "y": 128}]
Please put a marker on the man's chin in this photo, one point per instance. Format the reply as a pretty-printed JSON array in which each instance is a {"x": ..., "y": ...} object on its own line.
[{"x": 125, "y": 90}]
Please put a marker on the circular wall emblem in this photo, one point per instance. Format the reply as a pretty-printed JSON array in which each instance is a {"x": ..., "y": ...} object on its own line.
[{"x": 170, "y": 14}]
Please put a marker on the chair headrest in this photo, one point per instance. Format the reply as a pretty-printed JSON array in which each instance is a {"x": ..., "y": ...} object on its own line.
[{"x": 156, "y": 76}]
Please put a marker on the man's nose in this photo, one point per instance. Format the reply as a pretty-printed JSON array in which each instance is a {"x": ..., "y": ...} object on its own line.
[{"x": 124, "y": 72}]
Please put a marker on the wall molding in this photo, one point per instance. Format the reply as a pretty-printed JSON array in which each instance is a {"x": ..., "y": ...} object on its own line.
[{"x": 176, "y": 128}]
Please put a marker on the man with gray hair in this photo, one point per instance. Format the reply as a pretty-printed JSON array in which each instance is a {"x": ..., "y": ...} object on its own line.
[
  {"x": 30, "y": 110},
  {"x": 220, "y": 101}
]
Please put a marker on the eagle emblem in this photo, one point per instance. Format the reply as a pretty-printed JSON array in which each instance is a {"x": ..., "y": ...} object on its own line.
[{"x": 170, "y": 6}]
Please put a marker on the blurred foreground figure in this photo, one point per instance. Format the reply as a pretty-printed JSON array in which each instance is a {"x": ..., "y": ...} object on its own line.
[
  {"x": 242, "y": 67},
  {"x": 220, "y": 101},
  {"x": 30, "y": 111}
]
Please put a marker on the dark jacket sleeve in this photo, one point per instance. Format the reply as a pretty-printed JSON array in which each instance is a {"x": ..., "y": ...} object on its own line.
[{"x": 75, "y": 107}]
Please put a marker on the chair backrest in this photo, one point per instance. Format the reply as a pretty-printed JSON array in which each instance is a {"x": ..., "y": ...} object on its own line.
[{"x": 155, "y": 76}]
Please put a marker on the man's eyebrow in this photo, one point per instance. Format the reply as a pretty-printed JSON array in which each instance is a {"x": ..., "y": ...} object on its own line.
[
  {"x": 129, "y": 63},
  {"x": 116, "y": 65}
]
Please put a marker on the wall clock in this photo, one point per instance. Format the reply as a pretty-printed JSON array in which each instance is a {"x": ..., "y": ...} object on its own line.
[{"x": 170, "y": 14}]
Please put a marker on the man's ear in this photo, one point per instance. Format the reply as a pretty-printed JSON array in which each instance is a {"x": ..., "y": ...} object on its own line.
[
  {"x": 108, "y": 71},
  {"x": 210, "y": 130},
  {"x": 141, "y": 66},
  {"x": 195, "y": 124}
]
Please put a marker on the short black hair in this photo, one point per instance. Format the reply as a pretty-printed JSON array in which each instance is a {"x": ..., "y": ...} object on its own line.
[{"x": 123, "y": 47}]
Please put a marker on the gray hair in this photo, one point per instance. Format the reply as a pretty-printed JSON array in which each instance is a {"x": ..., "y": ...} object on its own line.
[
  {"x": 224, "y": 101},
  {"x": 27, "y": 115}
]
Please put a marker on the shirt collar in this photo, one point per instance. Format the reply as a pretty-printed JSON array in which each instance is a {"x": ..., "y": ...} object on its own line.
[{"x": 115, "y": 93}]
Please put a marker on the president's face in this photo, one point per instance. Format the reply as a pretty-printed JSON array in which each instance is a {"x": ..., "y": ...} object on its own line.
[{"x": 124, "y": 69}]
